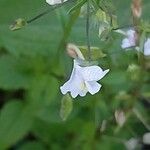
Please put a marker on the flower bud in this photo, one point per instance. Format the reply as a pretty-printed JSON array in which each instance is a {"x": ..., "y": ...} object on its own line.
[
  {"x": 136, "y": 8},
  {"x": 18, "y": 24},
  {"x": 134, "y": 72},
  {"x": 71, "y": 52},
  {"x": 103, "y": 126},
  {"x": 123, "y": 95},
  {"x": 120, "y": 117},
  {"x": 74, "y": 52}
]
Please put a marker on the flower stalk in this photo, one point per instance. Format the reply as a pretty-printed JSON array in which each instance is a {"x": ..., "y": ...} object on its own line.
[
  {"x": 87, "y": 30},
  {"x": 49, "y": 10},
  {"x": 20, "y": 23}
]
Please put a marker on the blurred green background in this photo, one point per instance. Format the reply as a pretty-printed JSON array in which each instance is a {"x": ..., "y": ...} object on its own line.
[{"x": 33, "y": 65}]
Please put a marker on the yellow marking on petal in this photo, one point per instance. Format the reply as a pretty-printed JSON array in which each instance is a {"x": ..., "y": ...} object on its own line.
[{"x": 83, "y": 86}]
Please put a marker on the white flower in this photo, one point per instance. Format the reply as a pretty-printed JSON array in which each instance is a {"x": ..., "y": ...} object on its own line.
[
  {"x": 130, "y": 39},
  {"x": 131, "y": 144},
  {"x": 53, "y": 2},
  {"x": 147, "y": 47},
  {"x": 83, "y": 80},
  {"x": 146, "y": 138}
]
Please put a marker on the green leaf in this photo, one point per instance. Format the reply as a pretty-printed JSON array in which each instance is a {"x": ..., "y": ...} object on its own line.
[
  {"x": 71, "y": 21},
  {"x": 102, "y": 16},
  {"x": 10, "y": 76},
  {"x": 43, "y": 90},
  {"x": 34, "y": 145},
  {"x": 15, "y": 123},
  {"x": 114, "y": 21},
  {"x": 142, "y": 41},
  {"x": 96, "y": 53},
  {"x": 66, "y": 107},
  {"x": 105, "y": 34},
  {"x": 79, "y": 4}
]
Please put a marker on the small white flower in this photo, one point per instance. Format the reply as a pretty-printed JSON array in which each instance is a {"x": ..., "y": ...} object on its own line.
[
  {"x": 130, "y": 39},
  {"x": 132, "y": 144},
  {"x": 147, "y": 47},
  {"x": 146, "y": 138},
  {"x": 53, "y": 2},
  {"x": 83, "y": 80}
]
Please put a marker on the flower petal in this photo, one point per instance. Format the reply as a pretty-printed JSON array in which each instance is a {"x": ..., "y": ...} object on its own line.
[
  {"x": 74, "y": 92},
  {"x": 72, "y": 87},
  {"x": 75, "y": 85},
  {"x": 147, "y": 47},
  {"x": 93, "y": 87},
  {"x": 130, "y": 33},
  {"x": 83, "y": 92},
  {"x": 65, "y": 88},
  {"x": 78, "y": 86},
  {"x": 130, "y": 39},
  {"x": 93, "y": 73},
  {"x": 53, "y": 2},
  {"x": 125, "y": 43}
]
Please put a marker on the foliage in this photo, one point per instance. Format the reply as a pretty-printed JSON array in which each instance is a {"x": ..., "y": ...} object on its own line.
[{"x": 33, "y": 65}]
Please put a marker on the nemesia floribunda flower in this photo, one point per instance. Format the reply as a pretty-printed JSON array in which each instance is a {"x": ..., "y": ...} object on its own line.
[
  {"x": 130, "y": 41},
  {"x": 53, "y": 2},
  {"x": 83, "y": 80}
]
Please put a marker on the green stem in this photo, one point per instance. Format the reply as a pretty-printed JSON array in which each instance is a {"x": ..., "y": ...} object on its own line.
[
  {"x": 140, "y": 117},
  {"x": 52, "y": 8},
  {"x": 87, "y": 29},
  {"x": 123, "y": 27}
]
